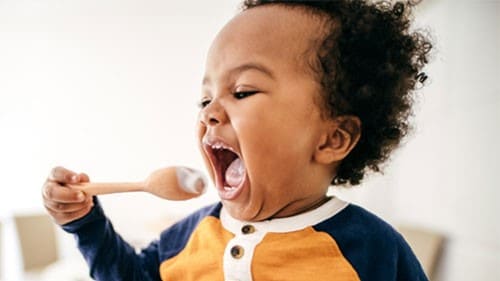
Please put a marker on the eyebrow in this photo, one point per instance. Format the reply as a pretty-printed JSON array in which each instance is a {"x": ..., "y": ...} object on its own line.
[{"x": 245, "y": 67}]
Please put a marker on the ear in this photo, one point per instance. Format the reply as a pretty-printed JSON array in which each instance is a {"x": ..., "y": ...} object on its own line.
[{"x": 340, "y": 137}]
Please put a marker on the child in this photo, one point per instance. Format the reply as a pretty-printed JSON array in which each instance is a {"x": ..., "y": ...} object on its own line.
[{"x": 297, "y": 95}]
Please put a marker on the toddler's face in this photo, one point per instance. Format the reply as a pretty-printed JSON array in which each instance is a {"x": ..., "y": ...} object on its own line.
[{"x": 260, "y": 124}]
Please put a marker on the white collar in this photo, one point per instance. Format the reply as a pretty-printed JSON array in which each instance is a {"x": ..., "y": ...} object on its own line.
[{"x": 288, "y": 224}]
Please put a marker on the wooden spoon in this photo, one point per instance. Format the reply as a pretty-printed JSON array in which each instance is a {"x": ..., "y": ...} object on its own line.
[{"x": 172, "y": 183}]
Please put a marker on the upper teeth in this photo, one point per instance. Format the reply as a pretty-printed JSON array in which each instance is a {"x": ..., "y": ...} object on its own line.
[{"x": 218, "y": 146}]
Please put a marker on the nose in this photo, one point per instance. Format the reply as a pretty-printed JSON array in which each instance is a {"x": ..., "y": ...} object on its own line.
[{"x": 213, "y": 114}]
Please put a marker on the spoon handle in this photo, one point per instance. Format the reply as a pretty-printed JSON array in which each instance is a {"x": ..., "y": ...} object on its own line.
[{"x": 95, "y": 188}]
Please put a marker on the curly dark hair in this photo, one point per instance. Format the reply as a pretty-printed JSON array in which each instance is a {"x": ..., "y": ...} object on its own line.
[{"x": 368, "y": 64}]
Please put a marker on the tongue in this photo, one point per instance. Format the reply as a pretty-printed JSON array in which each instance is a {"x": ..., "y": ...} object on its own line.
[{"x": 235, "y": 173}]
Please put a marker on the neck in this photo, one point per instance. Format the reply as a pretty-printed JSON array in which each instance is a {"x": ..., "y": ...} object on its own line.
[{"x": 299, "y": 206}]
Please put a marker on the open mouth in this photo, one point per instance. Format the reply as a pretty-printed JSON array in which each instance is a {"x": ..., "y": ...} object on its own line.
[{"x": 229, "y": 169}]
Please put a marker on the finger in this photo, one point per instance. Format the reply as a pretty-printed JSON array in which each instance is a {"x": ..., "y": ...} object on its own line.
[
  {"x": 63, "y": 175},
  {"x": 66, "y": 207},
  {"x": 55, "y": 192},
  {"x": 64, "y": 218},
  {"x": 84, "y": 177}
]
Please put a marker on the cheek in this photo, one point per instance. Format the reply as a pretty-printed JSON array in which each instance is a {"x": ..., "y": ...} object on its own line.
[
  {"x": 275, "y": 141},
  {"x": 272, "y": 132},
  {"x": 271, "y": 154},
  {"x": 257, "y": 136}
]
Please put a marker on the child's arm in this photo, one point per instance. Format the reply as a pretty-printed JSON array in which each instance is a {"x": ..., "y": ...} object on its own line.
[{"x": 108, "y": 255}]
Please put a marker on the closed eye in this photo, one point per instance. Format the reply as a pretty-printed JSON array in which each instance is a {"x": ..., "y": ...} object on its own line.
[
  {"x": 203, "y": 103},
  {"x": 238, "y": 95},
  {"x": 244, "y": 94}
]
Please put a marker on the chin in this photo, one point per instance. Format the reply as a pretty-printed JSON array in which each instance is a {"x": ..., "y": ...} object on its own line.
[{"x": 241, "y": 212}]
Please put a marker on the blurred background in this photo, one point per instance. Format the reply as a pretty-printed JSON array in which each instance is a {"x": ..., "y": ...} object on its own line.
[{"x": 110, "y": 88}]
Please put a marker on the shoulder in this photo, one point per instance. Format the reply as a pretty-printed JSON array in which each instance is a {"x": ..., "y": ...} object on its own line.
[
  {"x": 186, "y": 226},
  {"x": 356, "y": 222},
  {"x": 373, "y": 247},
  {"x": 174, "y": 238},
  {"x": 357, "y": 230}
]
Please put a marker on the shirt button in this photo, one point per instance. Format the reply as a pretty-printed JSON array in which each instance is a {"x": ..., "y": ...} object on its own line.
[
  {"x": 247, "y": 229},
  {"x": 237, "y": 252}
]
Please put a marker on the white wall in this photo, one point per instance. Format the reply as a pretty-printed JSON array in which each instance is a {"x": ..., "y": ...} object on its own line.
[
  {"x": 110, "y": 88},
  {"x": 106, "y": 87}
]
